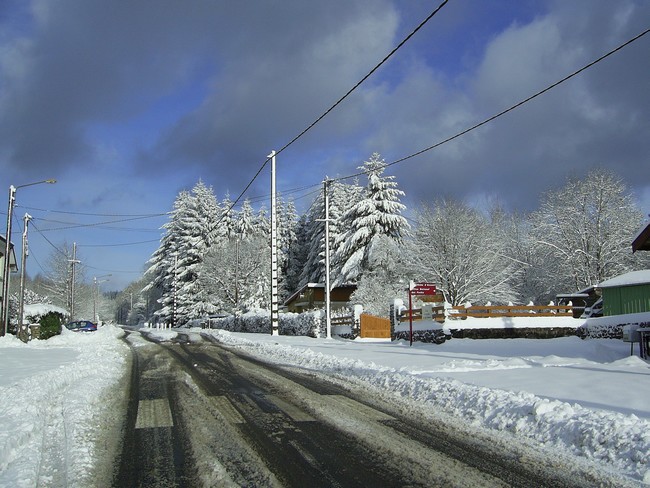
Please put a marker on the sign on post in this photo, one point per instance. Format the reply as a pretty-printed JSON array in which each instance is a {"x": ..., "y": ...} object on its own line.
[
  {"x": 424, "y": 289},
  {"x": 418, "y": 289}
]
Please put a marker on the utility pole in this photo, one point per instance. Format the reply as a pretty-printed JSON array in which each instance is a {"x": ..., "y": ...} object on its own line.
[
  {"x": 275, "y": 316},
  {"x": 21, "y": 332},
  {"x": 74, "y": 261},
  {"x": 7, "y": 257},
  {"x": 328, "y": 314}
]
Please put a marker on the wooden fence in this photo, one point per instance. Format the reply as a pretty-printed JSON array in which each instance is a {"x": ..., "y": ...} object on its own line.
[{"x": 485, "y": 311}]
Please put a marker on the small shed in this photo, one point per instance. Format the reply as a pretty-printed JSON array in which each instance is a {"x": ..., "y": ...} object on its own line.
[{"x": 627, "y": 293}]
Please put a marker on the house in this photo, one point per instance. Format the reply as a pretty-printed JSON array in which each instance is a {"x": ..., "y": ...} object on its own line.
[
  {"x": 312, "y": 295},
  {"x": 642, "y": 241},
  {"x": 627, "y": 293}
]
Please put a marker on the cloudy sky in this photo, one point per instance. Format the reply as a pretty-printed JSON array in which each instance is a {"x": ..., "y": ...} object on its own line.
[{"x": 126, "y": 103}]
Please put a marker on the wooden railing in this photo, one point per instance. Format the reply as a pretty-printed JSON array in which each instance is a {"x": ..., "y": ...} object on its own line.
[
  {"x": 486, "y": 311},
  {"x": 438, "y": 314}
]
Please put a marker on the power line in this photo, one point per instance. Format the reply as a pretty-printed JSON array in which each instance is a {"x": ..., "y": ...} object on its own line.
[
  {"x": 93, "y": 224},
  {"x": 340, "y": 100},
  {"x": 507, "y": 110},
  {"x": 151, "y": 215},
  {"x": 119, "y": 245}
]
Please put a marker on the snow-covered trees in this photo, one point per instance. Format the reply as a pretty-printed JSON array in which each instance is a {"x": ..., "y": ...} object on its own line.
[
  {"x": 458, "y": 248},
  {"x": 375, "y": 216},
  {"x": 216, "y": 259},
  {"x": 174, "y": 267},
  {"x": 583, "y": 231}
]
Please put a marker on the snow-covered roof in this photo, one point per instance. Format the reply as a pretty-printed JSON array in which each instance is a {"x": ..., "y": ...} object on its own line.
[
  {"x": 641, "y": 277},
  {"x": 642, "y": 239},
  {"x": 43, "y": 308}
]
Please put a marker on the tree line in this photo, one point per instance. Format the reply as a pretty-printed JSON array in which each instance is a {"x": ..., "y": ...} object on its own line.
[{"x": 213, "y": 259}]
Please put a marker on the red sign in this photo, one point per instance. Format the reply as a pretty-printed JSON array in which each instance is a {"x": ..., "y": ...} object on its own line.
[{"x": 424, "y": 289}]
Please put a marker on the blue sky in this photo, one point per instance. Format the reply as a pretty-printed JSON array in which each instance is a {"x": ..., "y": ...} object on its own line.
[{"x": 127, "y": 103}]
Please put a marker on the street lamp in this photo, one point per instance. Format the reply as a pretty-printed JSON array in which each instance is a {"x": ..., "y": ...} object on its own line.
[
  {"x": 6, "y": 269},
  {"x": 96, "y": 282}
]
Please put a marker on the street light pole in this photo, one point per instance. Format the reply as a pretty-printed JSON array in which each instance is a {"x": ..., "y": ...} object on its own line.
[{"x": 7, "y": 264}]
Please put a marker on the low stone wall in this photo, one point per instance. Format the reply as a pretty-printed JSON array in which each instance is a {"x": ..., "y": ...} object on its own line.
[{"x": 514, "y": 333}]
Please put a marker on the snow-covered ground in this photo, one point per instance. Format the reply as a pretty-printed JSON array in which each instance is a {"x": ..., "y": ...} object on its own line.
[
  {"x": 588, "y": 397},
  {"x": 61, "y": 404}
]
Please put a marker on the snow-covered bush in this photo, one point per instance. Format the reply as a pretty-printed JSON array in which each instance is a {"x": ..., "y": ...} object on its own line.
[{"x": 259, "y": 321}]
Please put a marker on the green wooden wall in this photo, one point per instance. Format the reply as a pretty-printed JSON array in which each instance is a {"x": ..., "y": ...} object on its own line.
[{"x": 626, "y": 299}]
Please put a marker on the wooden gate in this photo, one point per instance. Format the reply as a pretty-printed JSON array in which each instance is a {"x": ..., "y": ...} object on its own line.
[{"x": 374, "y": 327}]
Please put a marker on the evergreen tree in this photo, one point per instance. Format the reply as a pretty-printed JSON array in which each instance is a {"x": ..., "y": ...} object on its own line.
[
  {"x": 365, "y": 223},
  {"x": 176, "y": 264}
]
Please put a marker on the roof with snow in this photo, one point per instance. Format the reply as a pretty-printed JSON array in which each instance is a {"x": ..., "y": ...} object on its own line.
[
  {"x": 640, "y": 277},
  {"x": 642, "y": 241},
  {"x": 39, "y": 309}
]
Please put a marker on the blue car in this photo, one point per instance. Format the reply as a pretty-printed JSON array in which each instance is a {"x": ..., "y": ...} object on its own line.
[{"x": 81, "y": 326}]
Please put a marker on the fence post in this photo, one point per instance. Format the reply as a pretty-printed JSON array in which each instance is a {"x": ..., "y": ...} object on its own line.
[{"x": 356, "y": 313}]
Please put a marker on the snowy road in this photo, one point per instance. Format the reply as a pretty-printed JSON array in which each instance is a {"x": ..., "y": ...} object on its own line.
[{"x": 203, "y": 415}]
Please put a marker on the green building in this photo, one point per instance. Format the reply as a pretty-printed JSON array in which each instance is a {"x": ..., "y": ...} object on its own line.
[{"x": 627, "y": 293}]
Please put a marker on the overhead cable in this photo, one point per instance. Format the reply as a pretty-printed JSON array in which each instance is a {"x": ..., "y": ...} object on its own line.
[
  {"x": 507, "y": 110},
  {"x": 340, "y": 100}
]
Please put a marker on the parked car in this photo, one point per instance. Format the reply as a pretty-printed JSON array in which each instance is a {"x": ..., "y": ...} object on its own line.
[{"x": 81, "y": 326}]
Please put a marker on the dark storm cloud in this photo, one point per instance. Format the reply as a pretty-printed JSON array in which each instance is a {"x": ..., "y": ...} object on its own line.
[
  {"x": 280, "y": 69},
  {"x": 260, "y": 71},
  {"x": 90, "y": 61},
  {"x": 597, "y": 119}
]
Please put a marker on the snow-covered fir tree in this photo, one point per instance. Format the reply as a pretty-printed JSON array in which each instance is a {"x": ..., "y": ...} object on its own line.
[
  {"x": 298, "y": 253},
  {"x": 375, "y": 216},
  {"x": 341, "y": 197},
  {"x": 176, "y": 264}
]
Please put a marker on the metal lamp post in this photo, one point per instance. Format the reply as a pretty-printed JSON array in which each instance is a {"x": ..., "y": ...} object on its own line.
[{"x": 7, "y": 264}]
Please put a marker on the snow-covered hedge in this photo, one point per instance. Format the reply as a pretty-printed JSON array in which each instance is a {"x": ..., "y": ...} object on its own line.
[
  {"x": 611, "y": 327},
  {"x": 259, "y": 321}
]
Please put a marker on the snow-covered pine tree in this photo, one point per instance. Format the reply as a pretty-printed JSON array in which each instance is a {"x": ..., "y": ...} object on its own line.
[
  {"x": 227, "y": 225},
  {"x": 378, "y": 214},
  {"x": 312, "y": 271},
  {"x": 245, "y": 221},
  {"x": 175, "y": 265},
  {"x": 287, "y": 222},
  {"x": 342, "y": 196},
  {"x": 199, "y": 232},
  {"x": 163, "y": 262},
  {"x": 297, "y": 255}
]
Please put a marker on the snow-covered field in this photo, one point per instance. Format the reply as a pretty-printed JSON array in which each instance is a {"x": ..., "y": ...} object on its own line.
[{"x": 588, "y": 397}]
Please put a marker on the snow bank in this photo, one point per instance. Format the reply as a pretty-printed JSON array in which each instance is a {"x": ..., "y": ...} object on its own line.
[
  {"x": 56, "y": 397},
  {"x": 619, "y": 441}
]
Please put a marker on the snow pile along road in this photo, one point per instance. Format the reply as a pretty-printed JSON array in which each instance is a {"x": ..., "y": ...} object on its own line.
[
  {"x": 61, "y": 401},
  {"x": 618, "y": 441}
]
